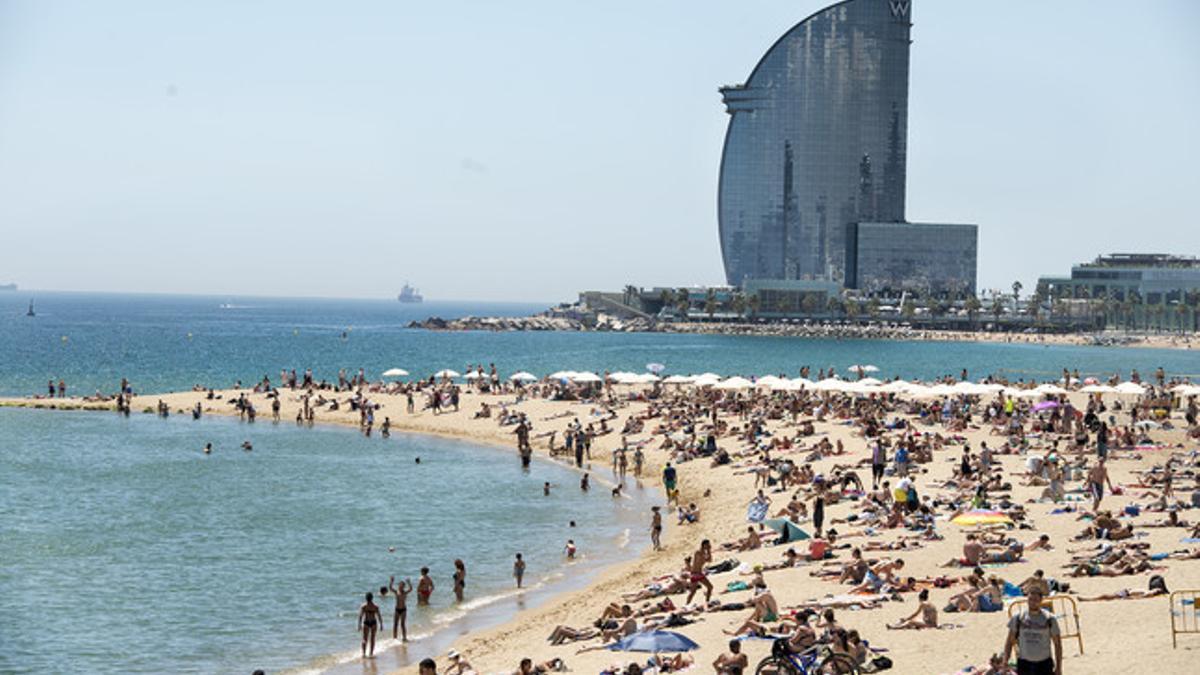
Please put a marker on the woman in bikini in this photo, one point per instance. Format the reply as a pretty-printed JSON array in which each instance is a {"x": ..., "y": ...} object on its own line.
[
  {"x": 369, "y": 621},
  {"x": 460, "y": 579},
  {"x": 926, "y": 611}
]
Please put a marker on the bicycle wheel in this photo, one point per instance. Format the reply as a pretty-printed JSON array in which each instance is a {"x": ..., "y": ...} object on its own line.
[
  {"x": 773, "y": 665},
  {"x": 837, "y": 664}
]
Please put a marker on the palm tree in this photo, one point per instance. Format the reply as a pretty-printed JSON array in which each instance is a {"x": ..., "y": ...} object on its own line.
[
  {"x": 665, "y": 296},
  {"x": 629, "y": 294},
  {"x": 683, "y": 301},
  {"x": 738, "y": 303},
  {"x": 997, "y": 307},
  {"x": 873, "y": 308},
  {"x": 833, "y": 305},
  {"x": 1016, "y": 294},
  {"x": 909, "y": 309},
  {"x": 754, "y": 304},
  {"x": 809, "y": 303},
  {"x": 710, "y": 303},
  {"x": 973, "y": 306},
  {"x": 852, "y": 307}
]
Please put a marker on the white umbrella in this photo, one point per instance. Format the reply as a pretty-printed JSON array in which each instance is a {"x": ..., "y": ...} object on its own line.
[
  {"x": 678, "y": 379},
  {"x": 897, "y": 387},
  {"x": 735, "y": 383},
  {"x": 1098, "y": 389},
  {"x": 1053, "y": 389},
  {"x": 622, "y": 377},
  {"x": 708, "y": 376},
  {"x": 586, "y": 377},
  {"x": 868, "y": 368},
  {"x": 523, "y": 377},
  {"x": 395, "y": 372},
  {"x": 1193, "y": 390},
  {"x": 829, "y": 384},
  {"x": 768, "y": 381},
  {"x": 1130, "y": 388},
  {"x": 655, "y": 367},
  {"x": 869, "y": 382},
  {"x": 447, "y": 373},
  {"x": 473, "y": 375},
  {"x": 563, "y": 375},
  {"x": 645, "y": 378},
  {"x": 706, "y": 380}
]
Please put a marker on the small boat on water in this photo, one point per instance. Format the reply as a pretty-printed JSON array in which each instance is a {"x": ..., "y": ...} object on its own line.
[
  {"x": 8, "y": 287},
  {"x": 410, "y": 294},
  {"x": 30, "y": 312}
]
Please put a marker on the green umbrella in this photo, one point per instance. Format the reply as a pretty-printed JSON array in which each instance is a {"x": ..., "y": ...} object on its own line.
[{"x": 786, "y": 528}]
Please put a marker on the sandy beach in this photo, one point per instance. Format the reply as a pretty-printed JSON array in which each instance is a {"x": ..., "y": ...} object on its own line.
[{"x": 1118, "y": 635}]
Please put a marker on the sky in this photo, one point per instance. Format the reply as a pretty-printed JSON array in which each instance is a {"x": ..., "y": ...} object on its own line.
[{"x": 530, "y": 149}]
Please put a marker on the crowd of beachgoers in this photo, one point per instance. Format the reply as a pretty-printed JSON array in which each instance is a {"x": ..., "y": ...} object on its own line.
[{"x": 831, "y": 520}]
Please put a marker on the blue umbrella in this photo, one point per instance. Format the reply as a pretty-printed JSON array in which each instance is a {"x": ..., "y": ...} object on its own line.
[
  {"x": 781, "y": 525},
  {"x": 654, "y": 641},
  {"x": 655, "y": 368}
]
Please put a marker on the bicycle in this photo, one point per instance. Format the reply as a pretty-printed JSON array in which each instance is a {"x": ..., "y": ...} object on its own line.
[{"x": 809, "y": 662}]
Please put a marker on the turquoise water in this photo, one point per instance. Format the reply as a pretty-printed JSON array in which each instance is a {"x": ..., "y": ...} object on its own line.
[
  {"x": 125, "y": 549},
  {"x": 170, "y": 342}
]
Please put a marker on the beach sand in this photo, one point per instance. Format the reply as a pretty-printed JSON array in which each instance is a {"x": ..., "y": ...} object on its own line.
[{"x": 1118, "y": 636}]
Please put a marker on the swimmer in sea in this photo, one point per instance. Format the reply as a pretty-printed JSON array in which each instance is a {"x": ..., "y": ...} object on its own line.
[
  {"x": 369, "y": 621},
  {"x": 424, "y": 587},
  {"x": 208, "y": 448},
  {"x": 519, "y": 570},
  {"x": 583, "y": 483},
  {"x": 570, "y": 550},
  {"x": 460, "y": 579},
  {"x": 399, "y": 618},
  {"x": 247, "y": 446},
  {"x": 546, "y": 489}
]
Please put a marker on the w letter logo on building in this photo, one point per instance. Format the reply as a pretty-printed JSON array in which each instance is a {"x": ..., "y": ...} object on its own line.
[{"x": 899, "y": 8}]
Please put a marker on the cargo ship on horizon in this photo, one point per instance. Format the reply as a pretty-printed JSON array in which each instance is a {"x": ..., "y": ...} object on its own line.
[{"x": 410, "y": 294}]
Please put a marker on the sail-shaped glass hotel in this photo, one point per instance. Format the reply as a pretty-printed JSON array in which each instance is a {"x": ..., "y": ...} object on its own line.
[{"x": 816, "y": 147}]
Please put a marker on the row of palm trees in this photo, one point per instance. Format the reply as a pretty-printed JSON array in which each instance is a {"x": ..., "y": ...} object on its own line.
[{"x": 1042, "y": 308}]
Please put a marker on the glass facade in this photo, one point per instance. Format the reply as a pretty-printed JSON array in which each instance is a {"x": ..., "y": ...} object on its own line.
[
  {"x": 816, "y": 141},
  {"x": 932, "y": 259}
]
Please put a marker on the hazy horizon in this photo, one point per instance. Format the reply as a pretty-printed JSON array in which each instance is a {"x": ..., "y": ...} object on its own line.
[{"x": 526, "y": 151}]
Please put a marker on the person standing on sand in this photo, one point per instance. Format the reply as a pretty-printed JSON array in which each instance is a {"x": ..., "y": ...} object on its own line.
[
  {"x": 639, "y": 458},
  {"x": 369, "y": 621},
  {"x": 1033, "y": 632},
  {"x": 460, "y": 579},
  {"x": 519, "y": 570},
  {"x": 424, "y": 587},
  {"x": 656, "y": 528},
  {"x": 669, "y": 477},
  {"x": 1097, "y": 478},
  {"x": 878, "y": 463},
  {"x": 400, "y": 616},
  {"x": 698, "y": 578}
]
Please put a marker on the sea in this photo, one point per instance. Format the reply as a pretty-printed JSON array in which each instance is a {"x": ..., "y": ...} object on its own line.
[{"x": 123, "y": 548}]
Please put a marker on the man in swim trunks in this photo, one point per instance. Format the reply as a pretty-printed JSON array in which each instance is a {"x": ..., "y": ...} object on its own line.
[
  {"x": 399, "y": 618},
  {"x": 656, "y": 528},
  {"x": 668, "y": 478},
  {"x": 1097, "y": 478},
  {"x": 697, "y": 578},
  {"x": 424, "y": 587}
]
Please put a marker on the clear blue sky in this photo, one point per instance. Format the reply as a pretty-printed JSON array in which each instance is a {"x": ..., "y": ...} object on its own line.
[{"x": 530, "y": 149}]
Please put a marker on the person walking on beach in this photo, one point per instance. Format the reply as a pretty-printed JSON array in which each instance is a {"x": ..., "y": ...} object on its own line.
[
  {"x": 460, "y": 579},
  {"x": 698, "y": 578},
  {"x": 369, "y": 621},
  {"x": 656, "y": 528},
  {"x": 424, "y": 587},
  {"x": 519, "y": 570},
  {"x": 878, "y": 463},
  {"x": 1097, "y": 478},
  {"x": 400, "y": 616},
  {"x": 639, "y": 458},
  {"x": 583, "y": 483},
  {"x": 668, "y": 477},
  {"x": 1033, "y": 632}
]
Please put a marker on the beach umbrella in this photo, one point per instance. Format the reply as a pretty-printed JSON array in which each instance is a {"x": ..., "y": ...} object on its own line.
[
  {"x": 447, "y": 373},
  {"x": 1130, "y": 388},
  {"x": 1052, "y": 389},
  {"x": 769, "y": 381},
  {"x": 1090, "y": 380},
  {"x": 868, "y": 382},
  {"x": 1045, "y": 405},
  {"x": 523, "y": 377},
  {"x": 1098, "y": 389},
  {"x": 1147, "y": 424},
  {"x": 473, "y": 375},
  {"x": 586, "y": 377},
  {"x": 829, "y": 384},
  {"x": 645, "y": 378},
  {"x": 896, "y": 387},
  {"x": 654, "y": 641},
  {"x": 798, "y": 383},
  {"x": 622, "y": 377},
  {"x": 868, "y": 368},
  {"x": 781, "y": 525},
  {"x": 981, "y": 517},
  {"x": 678, "y": 379},
  {"x": 706, "y": 381},
  {"x": 655, "y": 368},
  {"x": 395, "y": 372},
  {"x": 735, "y": 382},
  {"x": 563, "y": 375}
]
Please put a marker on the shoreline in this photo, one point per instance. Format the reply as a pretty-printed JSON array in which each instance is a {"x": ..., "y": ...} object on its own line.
[{"x": 721, "y": 495}]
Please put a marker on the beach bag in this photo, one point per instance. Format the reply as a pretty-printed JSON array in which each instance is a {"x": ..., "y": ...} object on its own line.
[
  {"x": 779, "y": 648},
  {"x": 881, "y": 663}
]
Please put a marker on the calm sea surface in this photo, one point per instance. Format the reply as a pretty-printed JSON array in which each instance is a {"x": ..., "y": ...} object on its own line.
[{"x": 124, "y": 549}]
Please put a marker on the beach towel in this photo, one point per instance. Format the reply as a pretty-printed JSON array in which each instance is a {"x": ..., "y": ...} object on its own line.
[
  {"x": 756, "y": 512},
  {"x": 1190, "y": 540}
]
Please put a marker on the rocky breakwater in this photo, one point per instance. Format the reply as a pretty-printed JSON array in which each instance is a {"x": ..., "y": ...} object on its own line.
[{"x": 601, "y": 322}]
